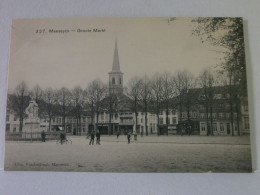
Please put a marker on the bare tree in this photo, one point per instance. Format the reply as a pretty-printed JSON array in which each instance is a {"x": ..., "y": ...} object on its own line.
[
  {"x": 145, "y": 97},
  {"x": 207, "y": 82},
  {"x": 50, "y": 100},
  {"x": 112, "y": 107},
  {"x": 37, "y": 93},
  {"x": 157, "y": 96},
  {"x": 19, "y": 103},
  {"x": 178, "y": 86},
  {"x": 64, "y": 100},
  {"x": 77, "y": 98},
  {"x": 167, "y": 94},
  {"x": 133, "y": 91},
  {"x": 96, "y": 93}
]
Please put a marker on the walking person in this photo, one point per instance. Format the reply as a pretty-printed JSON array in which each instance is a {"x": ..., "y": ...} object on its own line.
[
  {"x": 128, "y": 137},
  {"x": 117, "y": 134},
  {"x": 43, "y": 135},
  {"x": 98, "y": 137},
  {"x": 92, "y": 137}
]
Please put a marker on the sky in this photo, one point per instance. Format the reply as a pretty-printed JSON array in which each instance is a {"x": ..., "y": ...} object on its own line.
[{"x": 145, "y": 46}]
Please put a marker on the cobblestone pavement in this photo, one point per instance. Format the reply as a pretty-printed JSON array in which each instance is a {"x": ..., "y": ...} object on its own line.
[{"x": 147, "y": 154}]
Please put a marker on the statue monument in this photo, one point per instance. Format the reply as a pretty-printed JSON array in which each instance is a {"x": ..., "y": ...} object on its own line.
[
  {"x": 32, "y": 111},
  {"x": 32, "y": 122}
]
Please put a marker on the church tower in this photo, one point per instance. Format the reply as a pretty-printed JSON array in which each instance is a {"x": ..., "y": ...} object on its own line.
[{"x": 116, "y": 76}]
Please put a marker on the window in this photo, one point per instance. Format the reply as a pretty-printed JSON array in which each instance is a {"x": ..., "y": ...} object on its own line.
[
  {"x": 202, "y": 116},
  {"x": 141, "y": 120},
  {"x": 116, "y": 116},
  {"x": 247, "y": 126},
  {"x": 221, "y": 115},
  {"x": 113, "y": 80},
  {"x": 227, "y": 115},
  {"x": 120, "y": 82},
  {"x": 221, "y": 127},
  {"x": 214, "y": 127},
  {"x": 203, "y": 127},
  {"x": 102, "y": 116},
  {"x": 161, "y": 113},
  {"x": 168, "y": 120},
  {"x": 7, "y": 117},
  {"x": 15, "y": 118},
  {"x": 174, "y": 120},
  {"x": 195, "y": 115},
  {"x": 84, "y": 129},
  {"x": 214, "y": 115},
  {"x": 14, "y": 129},
  {"x": 84, "y": 119},
  {"x": 160, "y": 121},
  {"x": 7, "y": 128},
  {"x": 246, "y": 108}
]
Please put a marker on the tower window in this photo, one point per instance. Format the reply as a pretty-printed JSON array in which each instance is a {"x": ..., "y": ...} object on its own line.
[
  {"x": 113, "y": 80},
  {"x": 120, "y": 81}
]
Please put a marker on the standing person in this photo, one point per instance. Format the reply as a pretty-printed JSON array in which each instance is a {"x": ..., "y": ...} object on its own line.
[
  {"x": 98, "y": 137},
  {"x": 117, "y": 134},
  {"x": 92, "y": 137},
  {"x": 62, "y": 138},
  {"x": 43, "y": 135},
  {"x": 135, "y": 136},
  {"x": 128, "y": 137}
]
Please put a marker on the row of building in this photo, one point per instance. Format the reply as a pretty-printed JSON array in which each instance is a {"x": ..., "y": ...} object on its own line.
[{"x": 197, "y": 121}]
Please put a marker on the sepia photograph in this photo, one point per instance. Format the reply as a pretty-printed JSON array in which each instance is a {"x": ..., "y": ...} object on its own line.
[{"x": 162, "y": 95}]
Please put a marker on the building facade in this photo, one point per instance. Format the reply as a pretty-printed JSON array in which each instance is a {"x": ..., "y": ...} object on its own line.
[{"x": 197, "y": 119}]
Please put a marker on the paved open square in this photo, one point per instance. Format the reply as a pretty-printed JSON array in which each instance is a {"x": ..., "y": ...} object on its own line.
[{"x": 147, "y": 154}]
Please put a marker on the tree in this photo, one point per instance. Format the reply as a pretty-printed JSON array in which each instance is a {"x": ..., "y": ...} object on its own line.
[
  {"x": 133, "y": 91},
  {"x": 64, "y": 100},
  {"x": 19, "y": 101},
  {"x": 179, "y": 89},
  {"x": 207, "y": 82},
  {"x": 37, "y": 93},
  {"x": 157, "y": 96},
  {"x": 167, "y": 94},
  {"x": 145, "y": 97},
  {"x": 112, "y": 107},
  {"x": 77, "y": 98},
  {"x": 228, "y": 34},
  {"x": 50, "y": 100},
  {"x": 97, "y": 92}
]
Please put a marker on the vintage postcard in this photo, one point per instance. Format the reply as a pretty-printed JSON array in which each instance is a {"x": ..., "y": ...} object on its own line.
[{"x": 127, "y": 95}]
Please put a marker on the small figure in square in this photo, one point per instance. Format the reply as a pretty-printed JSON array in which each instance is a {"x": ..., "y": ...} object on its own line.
[
  {"x": 117, "y": 134},
  {"x": 128, "y": 137},
  {"x": 43, "y": 135},
  {"x": 92, "y": 137},
  {"x": 135, "y": 136},
  {"x": 98, "y": 137},
  {"x": 62, "y": 137}
]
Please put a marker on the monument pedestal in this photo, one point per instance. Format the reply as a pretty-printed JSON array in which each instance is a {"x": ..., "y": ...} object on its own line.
[{"x": 31, "y": 130}]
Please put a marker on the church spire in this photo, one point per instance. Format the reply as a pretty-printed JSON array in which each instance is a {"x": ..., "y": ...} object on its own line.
[
  {"x": 116, "y": 76},
  {"x": 116, "y": 66}
]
